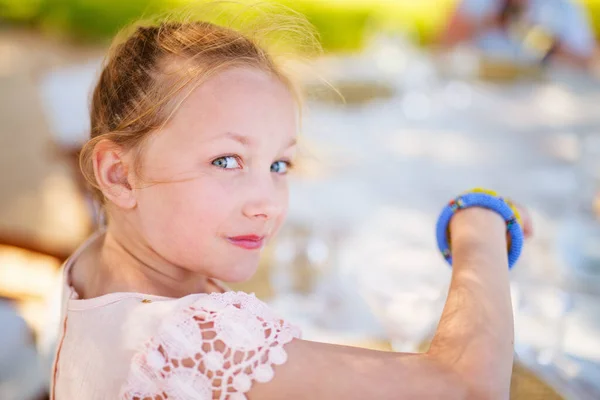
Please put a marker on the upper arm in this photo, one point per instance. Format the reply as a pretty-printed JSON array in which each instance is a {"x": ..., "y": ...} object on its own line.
[
  {"x": 233, "y": 347},
  {"x": 324, "y": 371}
]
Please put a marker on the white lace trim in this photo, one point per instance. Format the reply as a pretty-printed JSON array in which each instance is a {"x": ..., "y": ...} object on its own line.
[{"x": 213, "y": 349}]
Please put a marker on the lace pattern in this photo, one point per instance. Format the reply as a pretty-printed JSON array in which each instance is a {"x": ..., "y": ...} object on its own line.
[{"x": 213, "y": 349}]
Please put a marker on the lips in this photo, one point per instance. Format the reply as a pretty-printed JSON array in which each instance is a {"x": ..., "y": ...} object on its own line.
[{"x": 248, "y": 242}]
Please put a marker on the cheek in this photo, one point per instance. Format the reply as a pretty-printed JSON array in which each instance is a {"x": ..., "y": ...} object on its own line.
[
  {"x": 182, "y": 216},
  {"x": 284, "y": 199}
]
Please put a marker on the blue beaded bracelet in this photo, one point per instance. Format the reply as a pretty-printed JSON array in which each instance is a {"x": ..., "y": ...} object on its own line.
[{"x": 490, "y": 202}]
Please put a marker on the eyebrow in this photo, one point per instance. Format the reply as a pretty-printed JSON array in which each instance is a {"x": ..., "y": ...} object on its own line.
[
  {"x": 238, "y": 138},
  {"x": 245, "y": 140}
]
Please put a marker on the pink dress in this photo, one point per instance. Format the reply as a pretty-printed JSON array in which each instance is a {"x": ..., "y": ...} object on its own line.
[{"x": 137, "y": 346}]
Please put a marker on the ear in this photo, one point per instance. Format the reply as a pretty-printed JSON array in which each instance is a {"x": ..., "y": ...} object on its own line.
[{"x": 111, "y": 169}]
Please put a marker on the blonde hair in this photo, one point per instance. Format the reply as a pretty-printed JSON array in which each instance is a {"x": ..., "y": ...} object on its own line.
[{"x": 152, "y": 66}]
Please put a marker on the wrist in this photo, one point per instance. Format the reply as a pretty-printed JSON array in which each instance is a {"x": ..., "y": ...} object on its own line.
[
  {"x": 479, "y": 219},
  {"x": 478, "y": 229},
  {"x": 476, "y": 222}
]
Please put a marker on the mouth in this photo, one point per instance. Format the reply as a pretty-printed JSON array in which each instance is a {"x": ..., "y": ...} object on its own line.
[{"x": 248, "y": 242}]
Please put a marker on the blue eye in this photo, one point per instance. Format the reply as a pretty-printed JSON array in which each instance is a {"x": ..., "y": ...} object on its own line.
[
  {"x": 227, "y": 162},
  {"x": 281, "y": 167}
]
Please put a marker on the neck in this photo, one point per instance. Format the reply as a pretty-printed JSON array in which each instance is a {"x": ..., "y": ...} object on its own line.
[{"x": 121, "y": 264}]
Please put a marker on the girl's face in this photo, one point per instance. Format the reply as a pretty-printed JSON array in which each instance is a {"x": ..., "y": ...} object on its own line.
[{"x": 217, "y": 188}]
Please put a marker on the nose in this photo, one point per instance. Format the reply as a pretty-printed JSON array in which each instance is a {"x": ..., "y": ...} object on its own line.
[{"x": 266, "y": 200}]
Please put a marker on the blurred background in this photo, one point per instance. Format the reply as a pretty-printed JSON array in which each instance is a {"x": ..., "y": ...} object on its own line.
[{"x": 435, "y": 97}]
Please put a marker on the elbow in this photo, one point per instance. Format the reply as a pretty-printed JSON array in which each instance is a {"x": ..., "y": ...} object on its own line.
[
  {"x": 465, "y": 384},
  {"x": 458, "y": 387},
  {"x": 476, "y": 392},
  {"x": 459, "y": 390},
  {"x": 444, "y": 381}
]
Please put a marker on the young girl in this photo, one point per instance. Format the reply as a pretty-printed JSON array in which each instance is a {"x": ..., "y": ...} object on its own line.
[{"x": 193, "y": 130}]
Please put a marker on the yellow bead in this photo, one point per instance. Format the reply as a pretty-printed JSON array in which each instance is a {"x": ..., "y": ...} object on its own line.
[{"x": 482, "y": 190}]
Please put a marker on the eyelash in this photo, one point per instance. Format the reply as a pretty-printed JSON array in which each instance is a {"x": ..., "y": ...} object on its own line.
[{"x": 290, "y": 165}]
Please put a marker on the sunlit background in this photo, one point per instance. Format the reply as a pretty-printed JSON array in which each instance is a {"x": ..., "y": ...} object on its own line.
[{"x": 412, "y": 122}]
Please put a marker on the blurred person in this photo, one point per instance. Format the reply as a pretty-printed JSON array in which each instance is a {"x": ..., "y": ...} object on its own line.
[
  {"x": 21, "y": 374},
  {"x": 193, "y": 133},
  {"x": 523, "y": 31}
]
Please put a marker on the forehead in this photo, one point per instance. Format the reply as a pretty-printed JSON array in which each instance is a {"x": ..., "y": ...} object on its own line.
[{"x": 241, "y": 100}]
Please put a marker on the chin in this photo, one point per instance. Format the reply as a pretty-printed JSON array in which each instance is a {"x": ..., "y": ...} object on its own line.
[{"x": 241, "y": 272}]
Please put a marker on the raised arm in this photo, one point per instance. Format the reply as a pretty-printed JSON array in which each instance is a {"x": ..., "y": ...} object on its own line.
[{"x": 471, "y": 354}]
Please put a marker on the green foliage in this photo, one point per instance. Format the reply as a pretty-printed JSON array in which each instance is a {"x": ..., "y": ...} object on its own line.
[{"x": 344, "y": 25}]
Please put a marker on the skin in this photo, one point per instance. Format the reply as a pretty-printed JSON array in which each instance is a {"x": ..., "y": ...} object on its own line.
[{"x": 170, "y": 231}]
